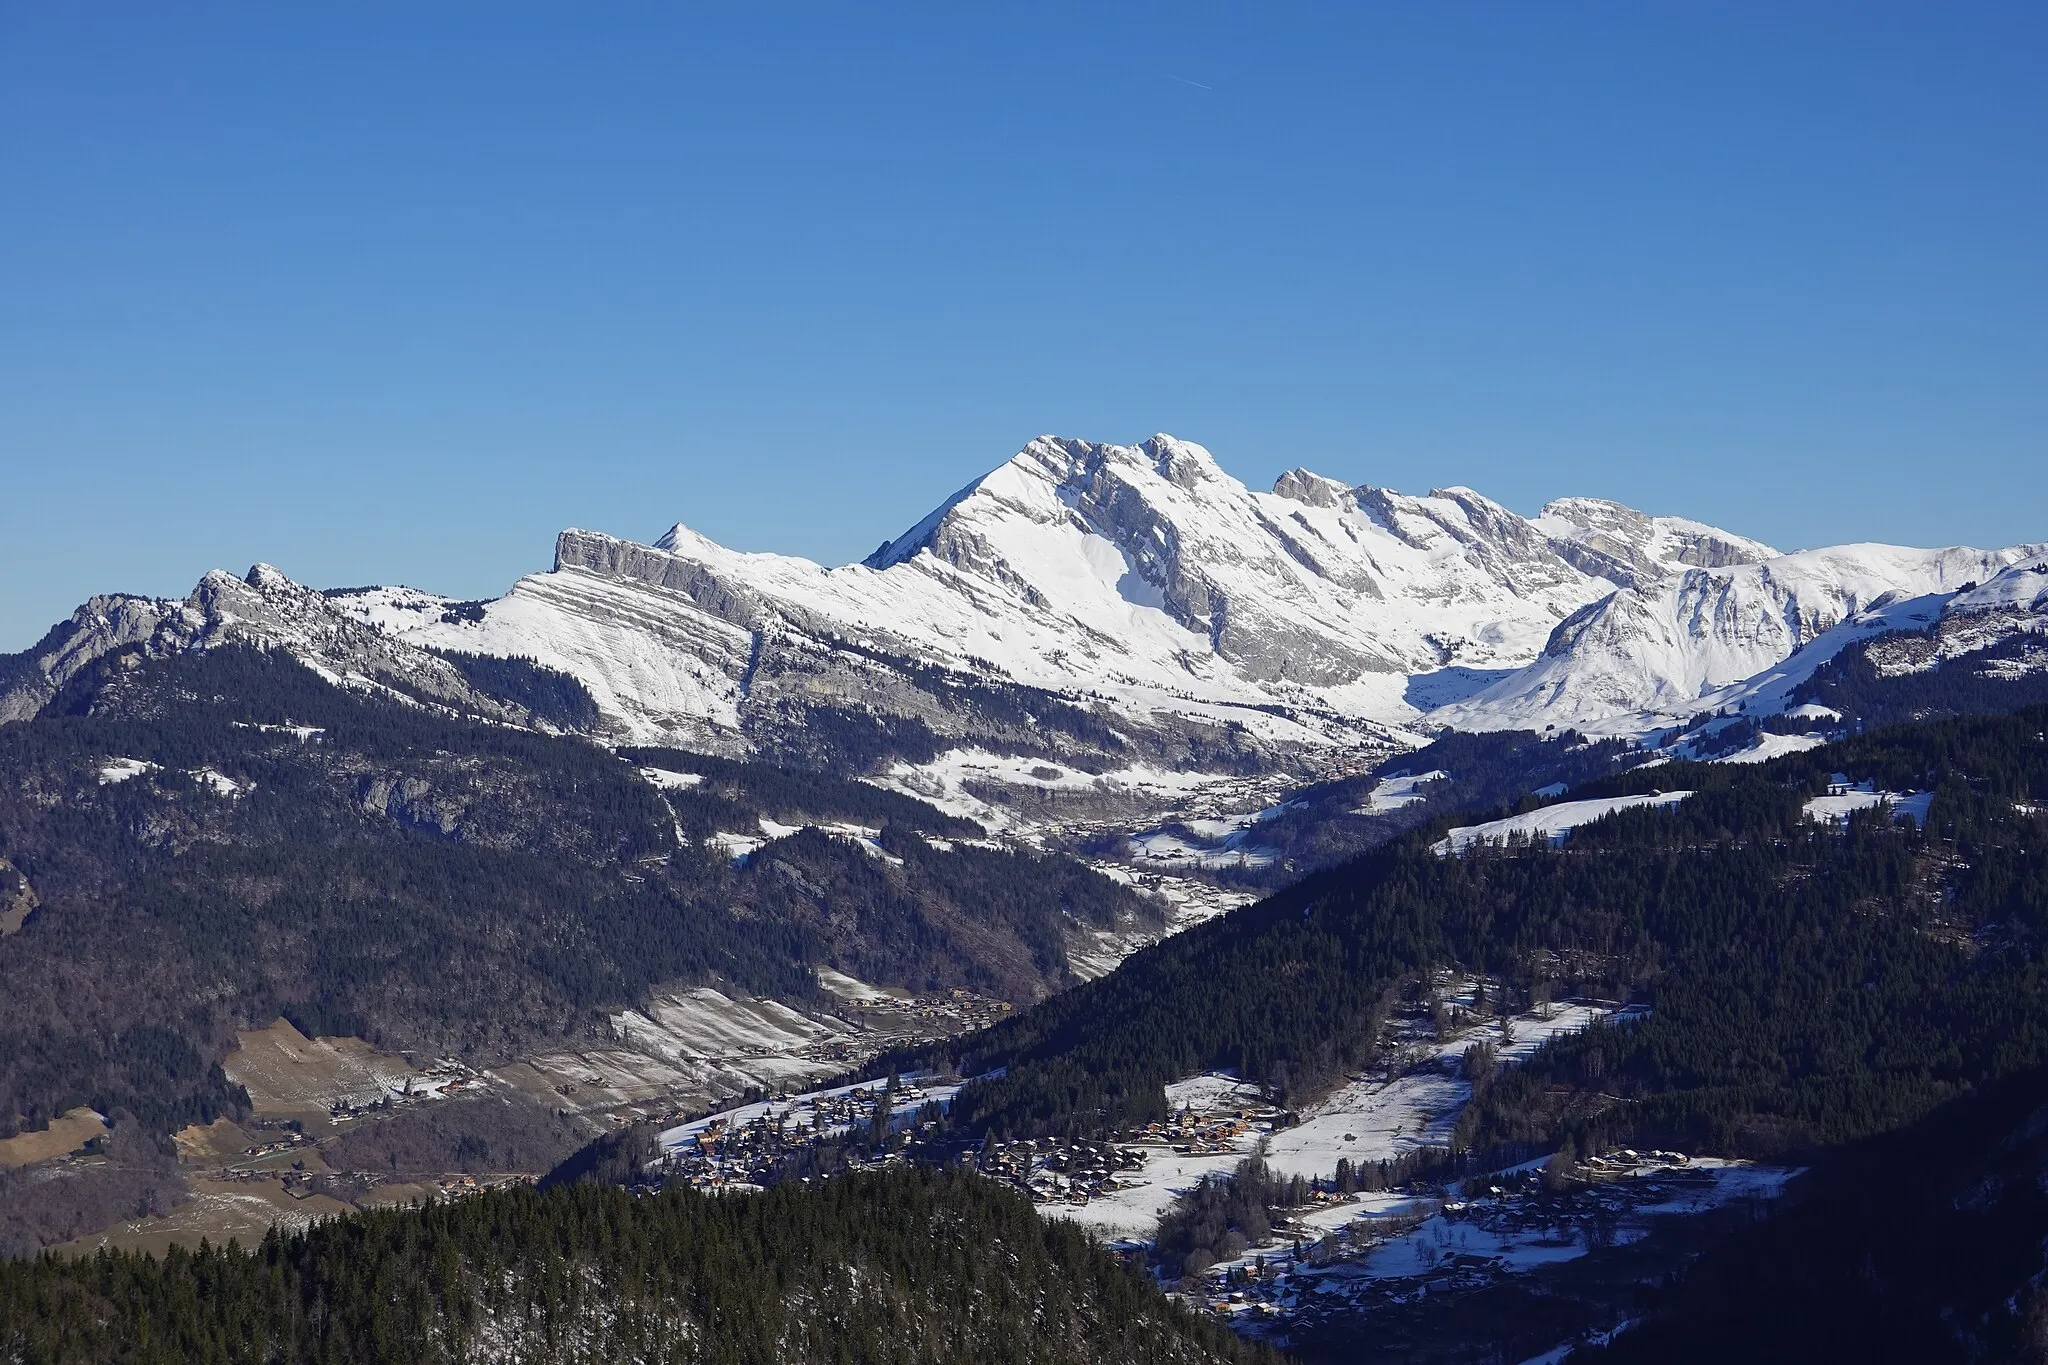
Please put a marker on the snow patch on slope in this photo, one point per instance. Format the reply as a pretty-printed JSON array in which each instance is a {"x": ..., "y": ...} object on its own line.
[
  {"x": 1550, "y": 822},
  {"x": 1402, "y": 789}
]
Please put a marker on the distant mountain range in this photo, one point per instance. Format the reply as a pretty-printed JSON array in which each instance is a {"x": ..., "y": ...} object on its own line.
[{"x": 1124, "y": 607}]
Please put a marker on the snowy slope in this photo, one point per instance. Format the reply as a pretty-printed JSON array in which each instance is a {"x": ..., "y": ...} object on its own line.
[
  {"x": 1129, "y": 608},
  {"x": 1139, "y": 581},
  {"x": 1548, "y": 822},
  {"x": 1644, "y": 656}
]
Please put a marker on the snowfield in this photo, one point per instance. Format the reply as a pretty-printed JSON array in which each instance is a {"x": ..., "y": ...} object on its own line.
[
  {"x": 1769, "y": 746},
  {"x": 1402, "y": 789},
  {"x": 1670, "y": 649},
  {"x": 668, "y": 781},
  {"x": 218, "y": 783},
  {"x": 947, "y": 782},
  {"x": 1839, "y": 805},
  {"x": 1551, "y": 822}
]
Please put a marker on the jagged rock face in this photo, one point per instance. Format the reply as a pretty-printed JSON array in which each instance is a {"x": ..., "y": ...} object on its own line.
[
  {"x": 1635, "y": 550},
  {"x": 1141, "y": 583},
  {"x": 1105, "y": 605},
  {"x": 266, "y": 610},
  {"x": 30, "y": 679}
]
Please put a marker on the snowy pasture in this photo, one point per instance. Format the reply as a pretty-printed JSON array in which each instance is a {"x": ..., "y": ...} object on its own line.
[
  {"x": 1374, "y": 1119},
  {"x": 1549, "y": 822},
  {"x": 1390, "y": 794},
  {"x": 1837, "y": 806}
]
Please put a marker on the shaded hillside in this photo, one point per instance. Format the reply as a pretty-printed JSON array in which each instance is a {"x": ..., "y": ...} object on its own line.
[
  {"x": 220, "y": 837},
  {"x": 1806, "y": 983},
  {"x": 1924, "y": 1245},
  {"x": 1325, "y": 823},
  {"x": 905, "y": 1267}
]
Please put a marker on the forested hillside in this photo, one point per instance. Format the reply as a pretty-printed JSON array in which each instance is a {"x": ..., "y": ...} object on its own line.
[
  {"x": 907, "y": 1266},
  {"x": 1327, "y": 822},
  {"x": 1904, "y": 676},
  {"x": 1923, "y": 1245},
  {"x": 1806, "y": 982},
  {"x": 207, "y": 841}
]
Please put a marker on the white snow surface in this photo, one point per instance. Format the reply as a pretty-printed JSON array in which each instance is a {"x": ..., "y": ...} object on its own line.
[
  {"x": 2022, "y": 586},
  {"x": 668, "y": 781},
  {"x": 919, "y": 1090},
  {"x": 738, "y": 846},
  {"x": 1836, "y": 807},
  {"x": 1423, "y": 1249},
  {"x": 1551, "y": 822},
  {"x": 852, "y": 988},
  {"x": 392, "y": 610},
  {"x": 1646, "y": 655},
  {"x": 1144, "y": 573},
  {"x": 707, "y": 1023},
  {"x": 1769, "y": 746},
  {"x": 1146, "y": 581},
  {"x": 1402, "y": 789},
  {"x": 947, "y": 781},
  {"x": 217, "y": 782},
  {"x": 1379, "y": 1120},
  {"x": 121, "y": 769},
  {"x": 1382, "y": 1121}
]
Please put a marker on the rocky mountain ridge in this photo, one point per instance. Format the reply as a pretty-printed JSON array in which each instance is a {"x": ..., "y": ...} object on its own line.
[
  {"x": 1118, "y": 609},
  {"x": 1140, "y": 583},
  {"x": 265, "y": 610}
]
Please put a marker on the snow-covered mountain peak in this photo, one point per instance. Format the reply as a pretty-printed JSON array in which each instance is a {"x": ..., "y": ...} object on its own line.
[
  {"x": 1666, "y": 650},
  {"x": 1185, "y": 464},
  {"x": 351, "y": 637},
  {"x": 1148, "y": 576},
  {"x": 1165, "y": 612},
  {"x": 1143, "y": 574}
]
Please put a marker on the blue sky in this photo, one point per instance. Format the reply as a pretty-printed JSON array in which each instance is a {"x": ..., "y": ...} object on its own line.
[{"x": 394, "y": 292}]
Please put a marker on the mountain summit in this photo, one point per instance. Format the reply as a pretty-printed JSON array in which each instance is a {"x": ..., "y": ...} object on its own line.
[
  {"x": 1122, "y": 607},
  {"x": 1140, "y": 581},
  {"x": 1146, "y": 585}
]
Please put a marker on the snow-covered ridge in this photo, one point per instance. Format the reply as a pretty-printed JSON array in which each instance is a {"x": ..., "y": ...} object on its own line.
[
  {"x": 1733, "y": 635},
  {"x": 1142, "y": 580},
  {"x": 343, "y": 638},
  {"x": 1164, "y": 604}
]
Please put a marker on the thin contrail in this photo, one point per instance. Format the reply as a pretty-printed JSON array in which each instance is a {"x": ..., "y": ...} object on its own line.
[{"x": 1185, "y": 81}]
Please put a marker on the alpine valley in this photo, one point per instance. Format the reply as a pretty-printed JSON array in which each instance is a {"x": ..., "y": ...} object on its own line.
[{"x": 1397, "y": 927}]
